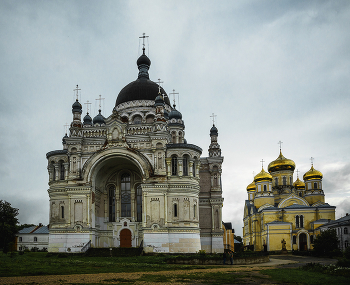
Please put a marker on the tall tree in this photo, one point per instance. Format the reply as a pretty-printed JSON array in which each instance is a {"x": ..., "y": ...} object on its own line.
[
  {"x": 8, "y": 222},
  {"x": 326, "y": 243}
]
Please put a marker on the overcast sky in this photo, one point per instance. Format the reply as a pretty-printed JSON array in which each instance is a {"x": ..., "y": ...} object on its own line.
[{"x": 270, "y": 71}]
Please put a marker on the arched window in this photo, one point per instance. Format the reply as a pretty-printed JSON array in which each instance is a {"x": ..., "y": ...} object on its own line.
[
  {"x": 175, "y": 210},
  {"x": 35, "y": 239},
  {"x": 294, "y": 240},
  {"x": 61, "y": 166},
  {"x": 345, "y": 231},
  {"x": 297, "y": 221},
  {"x": 149, "y": 119},
  {"x": 180, "y": 137},
  {"x": 290, "y": 180},
  {"x": 139, "y": 203},
  {"x": 265, "y": 188},
  {"x": 315, "y": 185},
  {"x": 125, "y": 193},
  {"x": 300, "y": 194},
  {"x": 20, "y": 239},
  {"x": 346, "y": 244},
  {"x": 174, "y": 165},
  {"x": 137, "y": 119},
  {"x": 276, "y": 181},
  {"x": 284, "y": 181},
  {"x": 111, "y": 204},
  {"x": 173, "y": 136},
  {"x": 62, "y": 212},
  {"x": 194, "y": 168},
  {"x": 53, "y": 170},
  {"x": 301, "y": 221},
  {"x": 185, "y": 165}
]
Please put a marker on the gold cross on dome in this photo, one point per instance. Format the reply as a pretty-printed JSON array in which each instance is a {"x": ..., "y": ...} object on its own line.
[
  {"x": 262, "y": 163},
  {"x": 312, "y": 161},
  {"x": 159, "y": 82},
  {"x": 280, "y": 143},
  {"x": 76, "y": 90},
  {"x": 174, "y": 93},
  {"x": 213, "y": 116},
  {"x": 87, "y": 105},
  {"x": 100, "y": 99},
  {"x": 143, "y": 41}
]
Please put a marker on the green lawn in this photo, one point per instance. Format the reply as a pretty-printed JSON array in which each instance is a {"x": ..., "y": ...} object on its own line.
[{"x": 37, "y": 263}]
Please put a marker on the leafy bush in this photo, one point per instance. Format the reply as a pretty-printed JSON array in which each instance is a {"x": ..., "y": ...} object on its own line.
[
  {"x": 347, "y": 253},
  {"x": 326, "y": 243},
  {"x": 343, "y": 262}
]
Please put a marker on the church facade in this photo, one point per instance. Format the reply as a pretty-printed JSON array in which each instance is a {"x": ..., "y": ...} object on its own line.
[
  {"x": 131, "y": 179},
  {"x": 282, "y": 214}
]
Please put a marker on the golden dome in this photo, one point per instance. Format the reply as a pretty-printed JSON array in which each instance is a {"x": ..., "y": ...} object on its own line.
[
  {"x": 312, "y": 174},
  {"x": 298, "y": 184},
  {"x": 281, "y": 163},
  {"x": 251, "y": 187},
  {"x": 263, "y": 176}
]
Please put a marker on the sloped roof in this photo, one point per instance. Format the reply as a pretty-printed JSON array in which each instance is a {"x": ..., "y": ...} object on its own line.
[
  {"x": 35, "y": 230},
  {"x": 27, "y": 230}
]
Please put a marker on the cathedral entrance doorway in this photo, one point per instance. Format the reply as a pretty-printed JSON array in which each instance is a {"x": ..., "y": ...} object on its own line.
[
  {"x": 125, "y": 238},
  {"x": 302, "y": 242}
]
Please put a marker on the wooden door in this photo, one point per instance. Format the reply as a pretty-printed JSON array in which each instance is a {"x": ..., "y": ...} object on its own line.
[{"x": 125, "y": 238}]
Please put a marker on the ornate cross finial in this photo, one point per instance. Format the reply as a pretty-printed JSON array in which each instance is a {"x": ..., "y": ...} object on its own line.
[
  {"x": 280, "y": 143},
  {"x": 143, "y": 42},
  {"x": 312, "y": 161},
  {"x": 66, "y": 127},
  {"x": 76, "y": 90},
  {"x": 297, "y": 173},
  {"x": 213, "y": 116},
  {"x": 100, "y": 99},
  {"x": 159, "y": 82},
  {"x": 262, "y": 163},
  {"x": 87, "y": 105},
  {"x": 174, "y": 93}
]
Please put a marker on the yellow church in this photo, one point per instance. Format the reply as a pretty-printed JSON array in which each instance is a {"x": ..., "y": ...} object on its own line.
[{"x": 280, "y": 213}]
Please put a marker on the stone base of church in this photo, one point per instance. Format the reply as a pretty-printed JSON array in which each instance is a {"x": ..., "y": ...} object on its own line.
[
  {"x": 212, "y": 244},
  {"x": 68, "y": 242},
  {"x": 171, "y": 242}
]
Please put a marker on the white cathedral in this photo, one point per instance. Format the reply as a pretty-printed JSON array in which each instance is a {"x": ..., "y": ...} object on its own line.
[{"x": 132, "y": 180}]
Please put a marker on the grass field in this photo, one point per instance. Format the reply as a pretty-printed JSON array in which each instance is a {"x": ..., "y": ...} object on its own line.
[{"x": 150, "y": 267}]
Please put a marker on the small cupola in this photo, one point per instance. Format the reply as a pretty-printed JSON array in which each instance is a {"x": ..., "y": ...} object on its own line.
[
  {"x": 87, "y": 120},
  {"x": 99, "y": 119}
]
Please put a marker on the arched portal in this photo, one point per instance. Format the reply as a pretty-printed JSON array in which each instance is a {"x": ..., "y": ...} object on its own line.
[
  {"x": 302, "y": 242},
  {"x": 125, "y": 238}
]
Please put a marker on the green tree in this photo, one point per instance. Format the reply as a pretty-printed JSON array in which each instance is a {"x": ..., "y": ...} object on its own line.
[
  {"x": 326, "y": 243},
  {"x": 8, "y": 222}
]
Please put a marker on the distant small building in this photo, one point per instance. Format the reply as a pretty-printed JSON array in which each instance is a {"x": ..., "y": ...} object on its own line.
[
  {"x": 229, "y": 234},
  {"x": 33, "y": 238},
  {"x": 342, "y": 228}
]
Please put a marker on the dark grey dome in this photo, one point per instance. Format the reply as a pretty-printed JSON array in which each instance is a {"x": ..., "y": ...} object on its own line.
[
  {"x": 87, "y": 120},
  {"x": 143, "y": 59},
  {"x": 142, "y": 88},
  {"x": 213, "y": 131},
  {"x": 76, "y": 107},
  {"x": 159, "y": 100},
  {"x": 175, "y": 114},
  {"x": 166, "y": 114},
  {"x": 99, "y": 119}
]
